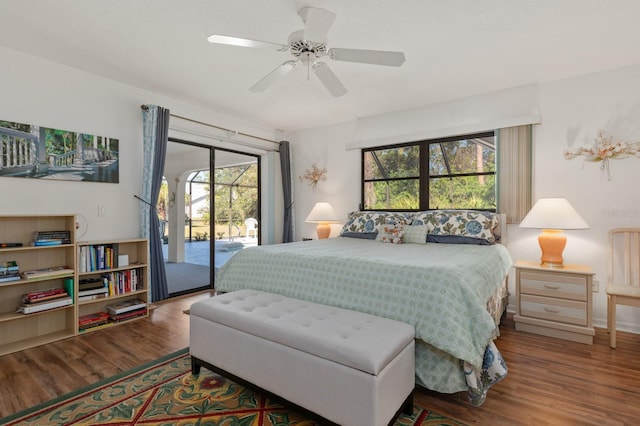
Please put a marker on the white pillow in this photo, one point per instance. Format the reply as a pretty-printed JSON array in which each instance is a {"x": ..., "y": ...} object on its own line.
[{"x": 415, "y": 234}]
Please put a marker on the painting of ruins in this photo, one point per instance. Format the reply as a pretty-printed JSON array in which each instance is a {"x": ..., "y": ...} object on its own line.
[{"x": 36, "y": 152}]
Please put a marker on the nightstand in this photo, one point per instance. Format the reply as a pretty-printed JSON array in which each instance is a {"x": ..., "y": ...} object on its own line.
[{"x": 554, "y": 301}]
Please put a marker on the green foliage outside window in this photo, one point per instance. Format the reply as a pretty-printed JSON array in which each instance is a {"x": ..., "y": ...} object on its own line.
[{"x": 459, "y": 174}]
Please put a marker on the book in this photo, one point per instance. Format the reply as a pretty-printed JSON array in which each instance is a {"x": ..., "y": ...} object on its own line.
[
  {"x": 47, "y": 272},
  {"x": 90, "y": 284},
  {"x": 44, "y": 243},
  {"x": 101, "y": 290},
  {"x": 26, "y": 300},
  {"x": 85, "y": 327},
  {"x": 44, "y": 306},
  {"x": 92, "y": 318},
  {"x": 128, "y": 315},
  {"x": 63, "y": 236},
  {"x": 36, "y": 295},
  {"x": 126, "y": 306},
  {"x": 91, "y": 297},
  {"x": 10, "y": 267},
  {"x": 4, "y": 278}
]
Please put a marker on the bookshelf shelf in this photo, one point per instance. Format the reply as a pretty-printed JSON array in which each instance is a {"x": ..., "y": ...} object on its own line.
[{"x": 20, "y": 331}]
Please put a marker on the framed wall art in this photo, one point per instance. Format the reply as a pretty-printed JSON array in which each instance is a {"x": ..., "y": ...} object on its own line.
[{"x": 35, "y": 152}]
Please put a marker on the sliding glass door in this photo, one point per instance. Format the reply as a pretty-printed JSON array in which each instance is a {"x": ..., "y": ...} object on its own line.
[{"x": 201, "y": 229}]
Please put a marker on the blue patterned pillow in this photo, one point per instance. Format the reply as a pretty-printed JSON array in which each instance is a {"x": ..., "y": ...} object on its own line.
[
  {"x": 368, "y": 222},
  {"x": 471, "y": 224}
]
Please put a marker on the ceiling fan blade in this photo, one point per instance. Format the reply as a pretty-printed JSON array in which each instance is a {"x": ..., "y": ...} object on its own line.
[
  {"x": 317, "y": 23},
  {"x": 273, "y": 76},
  {"x": 375, "y": 57},
  {"x": 245, "y": 42},
  {"x": 329, "y": 79}
]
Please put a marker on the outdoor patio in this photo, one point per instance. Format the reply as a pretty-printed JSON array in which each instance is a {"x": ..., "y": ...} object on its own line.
[{"x": 195, "y": 272}]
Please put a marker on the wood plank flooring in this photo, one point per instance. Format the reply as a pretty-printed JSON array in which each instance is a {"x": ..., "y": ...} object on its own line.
[{"x": 550, "y": 381}]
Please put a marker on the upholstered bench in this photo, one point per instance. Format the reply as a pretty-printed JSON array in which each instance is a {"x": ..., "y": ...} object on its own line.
[{"x": 348, "y": 367}]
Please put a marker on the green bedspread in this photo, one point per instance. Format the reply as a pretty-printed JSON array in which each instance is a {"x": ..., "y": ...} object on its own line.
[{"x": 440, "y": 289}]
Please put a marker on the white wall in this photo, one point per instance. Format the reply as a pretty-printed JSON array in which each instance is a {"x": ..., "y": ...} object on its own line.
[
  {"x": 572, "y": 111},
  {"x": 39, "y": 92}
]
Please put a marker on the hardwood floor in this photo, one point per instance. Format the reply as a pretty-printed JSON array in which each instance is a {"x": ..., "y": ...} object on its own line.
[{"x": 550, "y": 381}]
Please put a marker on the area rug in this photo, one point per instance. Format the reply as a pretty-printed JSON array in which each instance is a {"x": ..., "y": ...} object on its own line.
[{"x": 165, "y": 392}]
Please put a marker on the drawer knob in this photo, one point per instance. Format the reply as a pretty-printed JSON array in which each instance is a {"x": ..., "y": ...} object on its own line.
[
  {"x": 552, "y": 286},
  {"x": 552, "y": 310}
]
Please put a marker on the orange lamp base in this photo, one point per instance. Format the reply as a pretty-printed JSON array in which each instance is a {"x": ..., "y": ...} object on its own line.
[
  {"x": 323, "y": 230},
  {"x": 552, "y": 243}
]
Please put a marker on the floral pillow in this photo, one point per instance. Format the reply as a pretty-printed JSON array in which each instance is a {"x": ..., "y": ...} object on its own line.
[
  {"x": 476, "y": 226},
  {"x": 391, "y": 233},
  {"x": 368, "y": 222}
]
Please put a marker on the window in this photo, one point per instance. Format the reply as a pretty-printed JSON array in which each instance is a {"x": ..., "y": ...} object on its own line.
[{"x": 450, "y": 173}]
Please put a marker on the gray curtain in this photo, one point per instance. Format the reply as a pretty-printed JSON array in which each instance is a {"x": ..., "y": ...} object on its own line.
[
  {"x": 287, "y": 191},
  {"x": 156, "y": 134}
]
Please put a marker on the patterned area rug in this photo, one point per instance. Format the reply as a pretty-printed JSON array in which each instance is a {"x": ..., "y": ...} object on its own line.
[{"x": 166, "y": 393}]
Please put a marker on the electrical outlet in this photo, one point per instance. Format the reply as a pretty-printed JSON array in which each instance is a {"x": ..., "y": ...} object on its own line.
[{"x": 596, "y": 286}]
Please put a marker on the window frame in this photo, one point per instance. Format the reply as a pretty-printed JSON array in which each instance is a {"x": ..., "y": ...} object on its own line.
[{"x": 424, "y": 175}]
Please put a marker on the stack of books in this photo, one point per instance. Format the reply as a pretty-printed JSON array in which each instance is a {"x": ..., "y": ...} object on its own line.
[
  {"x": 51, "y": 238},
  {"x": 94, "y": 320},
  {"x": 126, "y": 310},
  {"x": 9, "y": 271},
  {"x": 92, "y": 288},
  {"x": 51, "y": 272},
  {"x": 43, "y": 300}
]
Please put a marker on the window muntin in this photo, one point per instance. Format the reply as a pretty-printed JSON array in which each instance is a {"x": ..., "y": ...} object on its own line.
[{"x": 452, "y": 173}]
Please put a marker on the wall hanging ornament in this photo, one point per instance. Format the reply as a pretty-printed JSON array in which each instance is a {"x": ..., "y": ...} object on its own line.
[
  {"x": 604, "y": 149},
  {"x": 314, "y": 175}
]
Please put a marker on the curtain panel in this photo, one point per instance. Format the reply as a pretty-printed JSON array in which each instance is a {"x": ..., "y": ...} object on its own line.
[
  {"x": 155, "y": 137},
  {"x": 514, "y": 171},
  {"x": 288, "y": 229}
]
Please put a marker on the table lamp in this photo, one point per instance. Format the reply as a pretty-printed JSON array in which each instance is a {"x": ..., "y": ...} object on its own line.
[
  {"x": 322, "y": 214},
  {"x": 552, "y": 215}
]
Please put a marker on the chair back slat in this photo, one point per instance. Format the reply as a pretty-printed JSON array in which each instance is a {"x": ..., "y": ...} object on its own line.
[{"x": 624, "y": 257}]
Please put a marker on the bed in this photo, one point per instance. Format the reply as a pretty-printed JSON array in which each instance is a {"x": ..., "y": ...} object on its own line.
[{"x": 452, "y": 291}]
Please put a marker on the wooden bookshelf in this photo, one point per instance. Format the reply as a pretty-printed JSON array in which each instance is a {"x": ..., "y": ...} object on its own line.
[
  {"x": 20, "y": 331},
  {"x": 133, "y": 276}
]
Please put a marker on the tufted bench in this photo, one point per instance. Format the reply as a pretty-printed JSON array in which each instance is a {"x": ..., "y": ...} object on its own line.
[{"x": 349, "y": 367}]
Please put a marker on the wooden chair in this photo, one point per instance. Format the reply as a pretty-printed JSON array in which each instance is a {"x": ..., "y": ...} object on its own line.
[{"x": 623, "y": 280}]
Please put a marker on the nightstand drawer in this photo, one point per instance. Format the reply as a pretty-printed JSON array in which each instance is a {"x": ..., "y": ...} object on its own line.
[
  {"x": 565, "y": 286},
  {"x": 566, "y": 311}
]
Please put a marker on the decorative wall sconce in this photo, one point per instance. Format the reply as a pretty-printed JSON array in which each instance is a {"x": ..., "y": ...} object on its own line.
[{"x": 314, "y": 175}]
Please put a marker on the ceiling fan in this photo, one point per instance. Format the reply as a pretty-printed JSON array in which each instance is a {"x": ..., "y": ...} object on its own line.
[{"x": 309, "y": 45}]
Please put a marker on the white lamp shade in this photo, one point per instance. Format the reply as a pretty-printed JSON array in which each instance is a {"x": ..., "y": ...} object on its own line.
[
  {"x": 553, "y": 213},
  {"x": 322, "y": 213}
]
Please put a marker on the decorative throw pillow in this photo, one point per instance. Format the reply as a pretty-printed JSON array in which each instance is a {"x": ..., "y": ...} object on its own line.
[
  {"x": 423, "y": 218},
  {"x": 466, "y": 223},
  {"x": 391, "y": 233},
  {"x": 369, "y": 221},
  {"x": 415, "y": 234}
]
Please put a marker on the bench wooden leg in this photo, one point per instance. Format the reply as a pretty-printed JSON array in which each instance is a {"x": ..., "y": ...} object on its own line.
[
  {"x": 195, "y": 366},
  {"x": 407, "y": 406}
]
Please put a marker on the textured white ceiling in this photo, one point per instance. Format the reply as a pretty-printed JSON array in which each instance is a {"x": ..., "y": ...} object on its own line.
[{"x": 453, "y": 49}]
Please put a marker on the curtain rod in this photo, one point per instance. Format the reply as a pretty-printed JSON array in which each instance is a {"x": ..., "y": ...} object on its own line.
[{"x": 144, "y": 107}]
